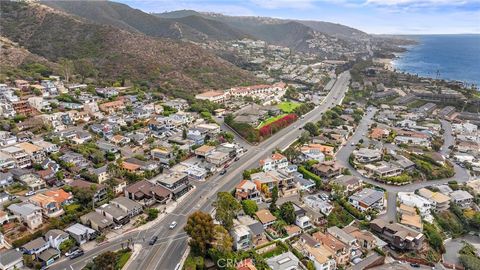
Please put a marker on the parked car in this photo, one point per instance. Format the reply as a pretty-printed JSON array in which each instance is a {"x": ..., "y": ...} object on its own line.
[
  {"x": 119, "y": 226},
  {"x": 153, "y": 240},
  {"x": 237, "y": 159},
  {"x": 76, "y": 254},
  {"x": 415, "y": 265},
  {"x": 71, "y": 251},
  {"x": 223, "y": 172},
  {"x": 30, "y": 193},
  {"x": 173, "y": 224}
]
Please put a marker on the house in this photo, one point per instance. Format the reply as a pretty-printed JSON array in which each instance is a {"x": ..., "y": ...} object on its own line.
[
  {"x": 246, "y": 264},
  {"x": 461, "y": 198},
  {"x": 474, "y": 185},
  {"x": 49, "y": 256},
  {"x": 340, "y": 251},
  {"x": 178, "y": 183},
  {"x": 397, "y": 235},
  {"x": 318, "y": 204},
  {"x": 312, "y": 152},
  {"x": 148, "y": 193},
  {"x": 21, "y": 158},
  {"x": 423, "y": 205},
  {"x": 322, "y": 258},
  {"x": 101, "y": 173},
  {"x": 50, "y": 207},
  {"x": 56, "y": 237},
  {"x": 265, "y": 217},
  {"x": 11, "y": 259},
  {"x": 284, "y": 261},
  {"x": 100, "y": 190},
  {"x": 162, "y": 154},
  {"x": 118, "y": 186},
  {"x": 442, "y": 202},
  {"x": 217, "y": 158},
  {"x": 365, "y": 239},
  {"x": 367, "y": 199},
  {"x": 6, "y": 161},
  {"x": 411, "y": 140},
  {"x": 265, "y": 182},
  {"x": 37, "y": 155},
  {"x": 132, "y": 208},
  {"x": 327, "y": 169},
  {"x": 275, "y": 162},
  {"x": 247, "y": 190},
  {"x": 6, "y": 179},
  {"x": 214, "y": 96},
  {"x": 96, "y": 221},
  {"x": 35, "y": 247},
  {"x": 119, "y": 140},
  {"x": 27, "y": 213},
  {"x": 348, "y": 183},
  {"x": 60, "y": 196},
  {"x": 81, "y": 233},
  {"x": 379, "y": 133},
  {"x": 366, "y": 155},
  {"x": 303, "y": 222},
  {"x": 113, "y": 213},
  {"x": 242, "y": 239},
  {"x": 204, "y": 150},
  {"x": 342, "y": 236},
  {"x": 28, "y": 178},
  {"x": 78, "y": 161},
  {"x": 410, "y": 218},
  {"x": 112, "y": 107},
  {"x": 131, "y": 167},
  {"x": 382, "y": 169}
]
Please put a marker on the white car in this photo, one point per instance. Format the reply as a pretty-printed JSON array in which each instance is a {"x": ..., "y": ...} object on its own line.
[
  {"x": 30, "y": 193},
  {"x": 118, "y": 227},
  {"x": 173, "y": 224}
]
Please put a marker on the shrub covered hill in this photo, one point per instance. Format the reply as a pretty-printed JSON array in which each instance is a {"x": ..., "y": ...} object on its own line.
[{"x": 108, "y": 53}]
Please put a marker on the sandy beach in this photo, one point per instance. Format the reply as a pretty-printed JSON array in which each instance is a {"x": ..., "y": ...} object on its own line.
[{"x": 387, "y": 63}]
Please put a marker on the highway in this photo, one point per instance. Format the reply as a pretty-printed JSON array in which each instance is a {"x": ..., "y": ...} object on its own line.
[{"x": 170, "y": 247}]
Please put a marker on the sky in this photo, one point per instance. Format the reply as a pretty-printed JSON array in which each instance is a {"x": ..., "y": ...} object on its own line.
[{"x": 371, "y": 16}]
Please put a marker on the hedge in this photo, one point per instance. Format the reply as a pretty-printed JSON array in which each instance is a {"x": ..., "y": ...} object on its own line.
[{"x": 352, "y": 210}]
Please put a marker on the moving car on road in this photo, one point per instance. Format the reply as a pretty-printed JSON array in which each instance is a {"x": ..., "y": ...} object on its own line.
[
  {"x": 76, "y": 254},
  {"x": 153, "y": 240},
  {"x": 173, "y": 224}
]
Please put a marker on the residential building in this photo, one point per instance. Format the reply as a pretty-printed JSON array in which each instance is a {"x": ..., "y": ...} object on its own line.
[
  {"x": 11, "y": 259},
  {"x": 462, "y": 198},
  {"x": 474, "y": 185},
  {"x": 6, "y": 179},
  {"x": 81, "y": 233},
  {"x": 214, "y": 96},
  {"x": 96, "y": 221},
  {"x": 367, "y": 199},
  {"x": 410, "y": 218},
  {"x": 132, "y": 208},
  {"x": 303, "y": 222},
  {"x": 322, "y": 257},
  {"x": 265, "y": 182},
  {"x": 382, "y": 169},
  {"x": 265, "y": 217},
  {"x": 204, "y": 150},
  {"x": 100, "y": 190},
  {"x": 342, "y": 236},
  {"x": 27, "y": 213},
  {"x": 101, "y": 173},
  {"x": 318, "y": 204},
  {"x": 217, "y": 158},
  {"x": 379, "y": 133},
  {"x": 162, "y": 154},
  {"x": 423, "y": 205},
  {"x": 366, "y": 155},
  {"x": 177, "y": 183},
  {"x": 112, "y": 107},
  {"x": 56, "y": 237},
  {"x": 6, "y": 161},
  {"x": 21, "y": 158},
  {"x": 147, "y": 193},
  {"x": 327, "y": 169},
  {"x": 60, "y": 196},
  {"x": 37, "y": 155},
  {"x": 311, "y": 152},
  {"x": 247, "y": 190},
  {"x": 113, "y": 213},
  {"x": 50, "y": 207},
  {"x": 348, "y": 183},
  {"x": 242, "y": 239},
  {"x": 397, "y": 235},
  {"x": 339, "y": 249},
  {"x": 35, "y": 247},
  {"x": 442, "y": 202},
  {"x": 284, "y": 261},
  {"x": 275, "y": 162},
  {"x": 365, "y": 239}
]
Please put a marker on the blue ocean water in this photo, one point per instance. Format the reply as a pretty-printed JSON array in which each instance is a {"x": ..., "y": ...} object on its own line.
[{"x": 455, "y": 57}]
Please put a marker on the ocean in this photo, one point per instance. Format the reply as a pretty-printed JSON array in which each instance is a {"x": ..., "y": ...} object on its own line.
[{"x": 449, "y": 57}]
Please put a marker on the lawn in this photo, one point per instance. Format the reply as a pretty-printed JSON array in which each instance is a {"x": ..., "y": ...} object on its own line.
[
  {"x": 288, "y": 106},
  {"x": 270, "y": 120}
]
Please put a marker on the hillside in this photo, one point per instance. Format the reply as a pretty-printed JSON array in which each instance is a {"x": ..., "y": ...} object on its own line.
[
  {"x": 189, "y": 27},
  {"x": 112, "y": 53}
]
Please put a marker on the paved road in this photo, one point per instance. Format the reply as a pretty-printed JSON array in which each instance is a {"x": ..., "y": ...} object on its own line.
[
  {"x": 461, "y": 175},
  {"x": 167, "y": 252}
]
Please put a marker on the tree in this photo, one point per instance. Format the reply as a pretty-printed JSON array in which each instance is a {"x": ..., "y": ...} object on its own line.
[
  {"x": 227, "y": 208},
  {"x": 200, "y": 228},
  {"x": 273, "y": 204},
  {"x": 311, "y": 128},
  {"x": 250, "y": 207},
  {"x": 223, "y": 242},
  {"x": 287, "y": 212},
  {"x": 105, "y": 261},
  {"x": 184, "y": 133},
  {"x": 152, "y": 214},
  {"x": 67, "y": 245}
]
